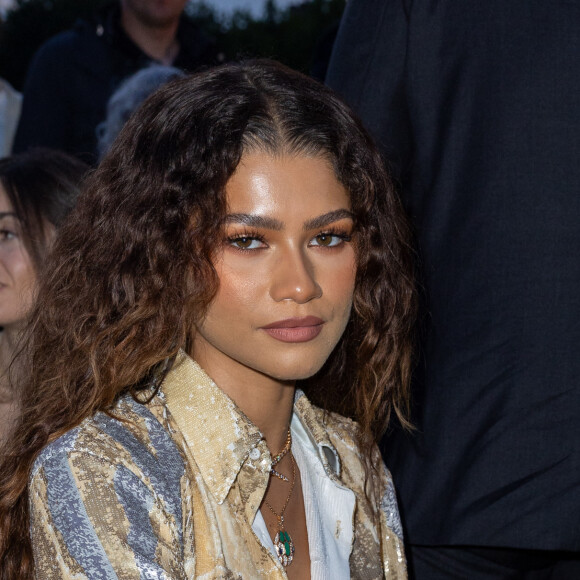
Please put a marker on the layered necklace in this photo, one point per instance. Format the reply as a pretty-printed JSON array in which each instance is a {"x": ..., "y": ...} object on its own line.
[{"x": 283, "y": 543}]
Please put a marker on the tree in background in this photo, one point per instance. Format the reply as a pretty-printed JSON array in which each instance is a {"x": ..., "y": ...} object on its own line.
[{"x": 288, "y": 35}]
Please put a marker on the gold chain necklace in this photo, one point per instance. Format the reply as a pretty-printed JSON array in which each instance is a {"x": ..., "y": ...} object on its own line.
[
  {"x": 283, "y": 543},
  {"x": 282, "y": 453}
]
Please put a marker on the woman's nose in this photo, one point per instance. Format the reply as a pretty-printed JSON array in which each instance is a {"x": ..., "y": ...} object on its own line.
[{"x": 293, "y": 278}]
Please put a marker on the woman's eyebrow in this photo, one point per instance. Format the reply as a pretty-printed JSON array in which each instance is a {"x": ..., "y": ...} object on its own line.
[
  {"x": 256, "y": 221},
  {"x": 4, "y": 214},
  {"x": 328, "y": 218},
  {"x": 269, "y": 223}
]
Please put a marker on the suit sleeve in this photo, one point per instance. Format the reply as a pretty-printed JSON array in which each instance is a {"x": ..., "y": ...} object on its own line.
[
  {"x": 96, "y": 519},
  {"x": 46, "y": 116},
  {"x": 368, "y": 69}
]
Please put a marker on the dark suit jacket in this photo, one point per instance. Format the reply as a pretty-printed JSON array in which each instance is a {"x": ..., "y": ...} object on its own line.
[
  {"x": 478, "y": 105},
  {"x": 73, "y": 74}
]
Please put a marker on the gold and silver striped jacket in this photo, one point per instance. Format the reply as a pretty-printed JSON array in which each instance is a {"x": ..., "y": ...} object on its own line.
[{"x": 169, "y": 490}]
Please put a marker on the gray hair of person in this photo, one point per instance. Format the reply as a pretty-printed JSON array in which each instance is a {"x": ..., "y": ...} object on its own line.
[{"x": 127, "y": 99}]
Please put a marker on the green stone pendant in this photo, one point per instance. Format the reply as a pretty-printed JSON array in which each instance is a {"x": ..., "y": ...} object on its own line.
[{"x": 284, "y": 547}]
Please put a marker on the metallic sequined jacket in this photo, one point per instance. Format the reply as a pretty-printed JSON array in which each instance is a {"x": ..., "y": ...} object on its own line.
[{"x": 170, "y": 491}]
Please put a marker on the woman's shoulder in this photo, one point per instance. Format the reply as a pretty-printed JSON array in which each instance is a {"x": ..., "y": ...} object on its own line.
[
  {"x": 134, "y": 435},
  {"x": 322, "y": 423},
  {"x": 345, "y": 436},
  {"x": 358, "y": 465},
  {"x": 361, "y": 468},
  {"x": 107, "y": 495}
]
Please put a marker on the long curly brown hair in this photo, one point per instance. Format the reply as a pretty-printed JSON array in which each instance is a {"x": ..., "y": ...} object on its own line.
[{"x": 132, "y": 271}]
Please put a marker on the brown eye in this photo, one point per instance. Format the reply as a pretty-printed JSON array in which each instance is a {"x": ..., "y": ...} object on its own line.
[
  {"x": 243, "y": 243},
  {"x": 6, "y": 235},
  {"x": 329, "y": 240},
  {"x": 325, "y": 239},
  {"x": 246, "y": 243}
]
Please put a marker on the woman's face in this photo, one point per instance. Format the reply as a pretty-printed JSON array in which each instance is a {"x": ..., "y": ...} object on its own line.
[
  {"x": 286, "y": 268},
  {"x": 17, "y": 275}
]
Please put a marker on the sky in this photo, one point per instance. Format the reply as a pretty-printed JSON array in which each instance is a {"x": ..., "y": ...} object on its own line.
[{"x": 255, "y": 7}]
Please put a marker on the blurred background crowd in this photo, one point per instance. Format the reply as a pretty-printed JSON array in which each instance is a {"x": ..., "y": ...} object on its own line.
[{"x": 298, "y": 33}]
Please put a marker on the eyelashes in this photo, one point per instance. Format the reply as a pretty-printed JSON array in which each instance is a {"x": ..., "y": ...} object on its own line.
[
  {"x": 6, "y": 234},
  {"x": 253, "y": 240},
  {"x": 248, "y": 241},
  {"x": 331, "y": 239}
]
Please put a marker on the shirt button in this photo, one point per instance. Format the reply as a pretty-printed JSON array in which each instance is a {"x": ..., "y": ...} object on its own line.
[{"x": 255, "y": 453}]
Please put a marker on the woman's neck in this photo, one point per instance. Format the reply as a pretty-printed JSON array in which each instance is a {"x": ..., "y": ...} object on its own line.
[
  {"x": 267, "y": 402},
  {"x": 8, "y": 343},
  {"x": 268, "y": 405},
  {"x": 8, "y": 401}
]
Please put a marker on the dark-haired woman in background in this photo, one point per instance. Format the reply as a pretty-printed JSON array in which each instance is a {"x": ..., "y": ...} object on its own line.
[
  {"x": 37, "y": 190},
  {"x": 235, "y": 280}
]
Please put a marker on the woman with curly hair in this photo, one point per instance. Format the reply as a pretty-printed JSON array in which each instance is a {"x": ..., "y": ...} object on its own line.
[
  {"x": 37, "y": 190},
  {"x": 222, "y": 334}
]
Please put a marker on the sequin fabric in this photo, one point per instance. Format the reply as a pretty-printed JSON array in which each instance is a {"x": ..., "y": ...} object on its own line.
[{"x": 169, "y": 490}]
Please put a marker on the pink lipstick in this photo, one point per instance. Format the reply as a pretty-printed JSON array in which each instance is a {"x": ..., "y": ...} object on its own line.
[{"x": 295, "y": 329}]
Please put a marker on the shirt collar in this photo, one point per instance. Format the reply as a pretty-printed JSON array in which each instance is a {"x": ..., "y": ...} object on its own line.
[
  {"x": 219, "y": 436},
  {"x": 311, "y": 423}
]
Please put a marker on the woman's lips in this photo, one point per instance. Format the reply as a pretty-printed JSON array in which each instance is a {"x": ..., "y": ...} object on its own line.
[{"x": 295, "y": 329}]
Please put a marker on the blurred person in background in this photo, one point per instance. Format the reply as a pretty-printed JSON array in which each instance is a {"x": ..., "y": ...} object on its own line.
[
  {"x": 73, "y": 75},
  {"x": 37, "y": 191},
  {"x": 127, "y": 98},
  {"x": 10, "y": 106},
  {"x": 476, "y": 106}
]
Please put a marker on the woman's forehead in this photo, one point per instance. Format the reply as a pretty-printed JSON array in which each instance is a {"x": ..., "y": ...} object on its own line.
[{"x": 267, "y": 184}]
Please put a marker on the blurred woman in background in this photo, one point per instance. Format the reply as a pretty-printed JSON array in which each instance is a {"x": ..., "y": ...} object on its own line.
[{"x": 37, "y": 190}]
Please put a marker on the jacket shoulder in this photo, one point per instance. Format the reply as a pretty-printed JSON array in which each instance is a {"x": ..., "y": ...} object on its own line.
[
  {"x": 133, "y": 437},
  {"x": 67, "y": 40}
]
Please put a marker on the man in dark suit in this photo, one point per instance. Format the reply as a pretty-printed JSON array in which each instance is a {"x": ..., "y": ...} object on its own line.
[
  {"x": 477, "y": 105},
  {"x": 73, "y": 75}
]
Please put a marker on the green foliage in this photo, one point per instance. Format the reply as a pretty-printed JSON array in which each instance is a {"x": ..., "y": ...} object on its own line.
[{"x": 288, "y": 35}]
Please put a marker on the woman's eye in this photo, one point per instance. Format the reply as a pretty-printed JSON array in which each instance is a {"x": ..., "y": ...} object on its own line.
[
  {"x": 246, "y": 243},
  {"x": 6, "y": 235},
  {"x": 329, "y": 240}
]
